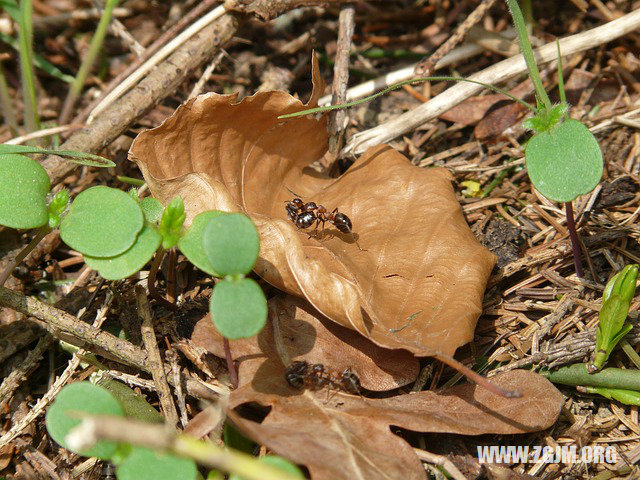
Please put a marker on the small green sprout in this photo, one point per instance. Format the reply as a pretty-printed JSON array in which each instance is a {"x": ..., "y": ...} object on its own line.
[
  {"x": 616, "y": 300},
  {"x": 171, "y": 223},
  {"x": 57, "y": 207}
]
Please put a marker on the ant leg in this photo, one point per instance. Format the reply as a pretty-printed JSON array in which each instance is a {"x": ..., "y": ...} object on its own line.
[{"x": 315, "y": 231}]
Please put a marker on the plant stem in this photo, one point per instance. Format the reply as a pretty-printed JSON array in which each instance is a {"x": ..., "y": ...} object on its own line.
[
  {"x": 42, "y": 232},
  {"x": 527, "y": 53},
  {"x": 151, "y": 281},
  {"x": 233, "y": 374},
  {"x": 476, "y": 377},
  {"x": 87, "y": 61},
  {"x": 25, "y": 38},
  {"x": 577, "y": 374},
  {"x": 575, "y": 242}
]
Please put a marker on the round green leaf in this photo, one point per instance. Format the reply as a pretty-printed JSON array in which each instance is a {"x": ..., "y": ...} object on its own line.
[
  {"x": 231, "y": 244},
  {"x": 565, "y": 162},
  {"x": 191, "y": 242},
  {"x": 129, "y": 262},
  {"x": 24, "y": 185},
  {"x": 146, "y": 464},
  {"x": 81, "y": 397},
  {"x": 238, "y": 308},
  {"x": 102, "y": 222},
  {"x": 279, "y": 463},
  {"x": 152, "y": 209}
]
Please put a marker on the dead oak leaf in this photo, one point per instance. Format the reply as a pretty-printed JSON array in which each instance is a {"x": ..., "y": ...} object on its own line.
[
  {"x": 419, "y": 280},
  {"x": 337, "y": 435}
]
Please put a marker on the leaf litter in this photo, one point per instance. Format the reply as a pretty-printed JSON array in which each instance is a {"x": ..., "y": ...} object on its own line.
[
  {"x": 408, "y": 281},
  {"x": 419, "y": 280},
  {"x": 341, "y": 435}
]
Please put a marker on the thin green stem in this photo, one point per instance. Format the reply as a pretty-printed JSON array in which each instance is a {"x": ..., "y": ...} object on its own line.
[
  {"x": 6, "y": 106},
  {"x": 563, "y": 94},
  {"x": 527, "y": 53},
  {"x": 42, "y": 232},
  {"x": 25, "y": 39},
  {"x": 395, "y": 86},
  {"x": 87, "y": 61}
]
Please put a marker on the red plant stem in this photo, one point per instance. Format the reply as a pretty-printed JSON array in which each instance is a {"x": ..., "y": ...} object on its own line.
[
  {"x": 476, "y": 377},
  {"x": 233, "y": 374},
  {"x": 575, "y": 243},
  {"x": 151, "y": 282}
]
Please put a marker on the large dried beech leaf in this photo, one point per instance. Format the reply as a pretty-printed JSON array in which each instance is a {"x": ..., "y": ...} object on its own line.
[
  {"x": 307, "y": 335},
  {"x": 419, "y": 281},
  {"x": 337, "y": 435}
]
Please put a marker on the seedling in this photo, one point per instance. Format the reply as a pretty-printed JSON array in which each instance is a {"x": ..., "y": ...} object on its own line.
[
  {"x": 25, "y": 201},
  {"x": 616, "y": 300}
]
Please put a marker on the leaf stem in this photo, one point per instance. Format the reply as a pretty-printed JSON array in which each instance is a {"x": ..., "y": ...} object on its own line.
[
  {"x": 42, "y": 232},
  {"x": 476, "y": 377},
  {"x": 575, "y": 242},
  {"x": 233, "y": 374}
]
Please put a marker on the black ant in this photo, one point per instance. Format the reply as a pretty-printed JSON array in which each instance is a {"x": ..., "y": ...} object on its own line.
[
  {"x": 301, "y": 374},
  {"x": 305, "y": 214}
]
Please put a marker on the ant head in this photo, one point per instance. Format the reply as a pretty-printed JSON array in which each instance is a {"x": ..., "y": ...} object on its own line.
[
  {"x": 297, "y": 202},
  {"x": 342, "y": 222}
]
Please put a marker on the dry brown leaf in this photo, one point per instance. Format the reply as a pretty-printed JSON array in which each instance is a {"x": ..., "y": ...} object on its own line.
[
  {"x": 418, "y": 283},
  {"x": 307, "y": 335},
  {"x": 337, "y": 435}
]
